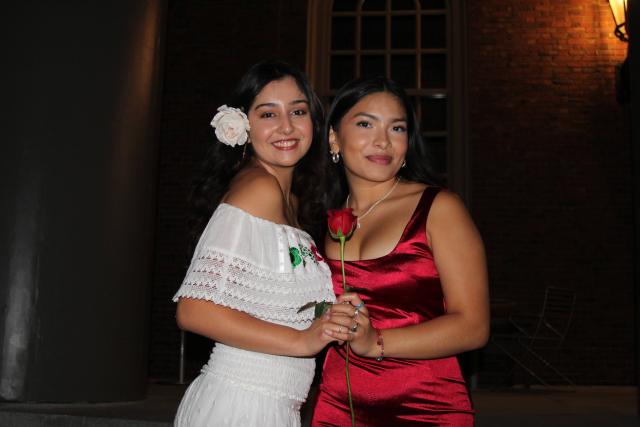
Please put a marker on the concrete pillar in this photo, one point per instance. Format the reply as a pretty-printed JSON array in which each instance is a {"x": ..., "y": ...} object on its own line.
[{"x": 80, "y": 87}]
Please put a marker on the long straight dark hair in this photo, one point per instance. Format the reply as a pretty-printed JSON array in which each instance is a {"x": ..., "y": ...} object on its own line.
[
  {"x": 419, "y": 167},
  {"x": 223, "y": 162}
]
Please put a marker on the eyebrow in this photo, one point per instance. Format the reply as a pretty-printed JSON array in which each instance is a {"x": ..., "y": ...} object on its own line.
[
  {"x": 273, "y": 104},
  {"x": 373, "y": 117}
]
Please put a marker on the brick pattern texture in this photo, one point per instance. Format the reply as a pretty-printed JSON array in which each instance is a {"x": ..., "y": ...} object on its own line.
[{"x": 551, "y": 172}]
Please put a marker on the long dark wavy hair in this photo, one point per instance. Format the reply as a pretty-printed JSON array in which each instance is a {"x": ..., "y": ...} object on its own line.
[
  {"x": 419, "y": 167},
  {"x": 223, "y": 162}
]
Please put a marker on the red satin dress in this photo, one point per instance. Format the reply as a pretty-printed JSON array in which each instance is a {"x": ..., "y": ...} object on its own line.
[{"x": 399, "y": 289}]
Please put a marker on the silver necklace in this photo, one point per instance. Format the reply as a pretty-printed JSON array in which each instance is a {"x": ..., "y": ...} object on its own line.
[{"x": 376, "y": 203}]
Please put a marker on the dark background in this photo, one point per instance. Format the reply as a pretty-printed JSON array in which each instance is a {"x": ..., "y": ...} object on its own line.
[
  {"x": 550, "y": 156},
  {"x": 108, "y": 117}
]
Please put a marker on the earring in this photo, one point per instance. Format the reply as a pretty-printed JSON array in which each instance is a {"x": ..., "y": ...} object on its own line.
[
  {"x": 335, "y": 157},
  {"x": 404, "y": 163}
]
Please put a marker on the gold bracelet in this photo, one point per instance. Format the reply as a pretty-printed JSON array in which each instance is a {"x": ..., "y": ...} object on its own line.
[{"x": 380, "y": 342}]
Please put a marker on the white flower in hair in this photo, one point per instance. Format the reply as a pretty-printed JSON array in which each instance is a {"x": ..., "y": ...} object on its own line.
[{"x": 231, "y": 125}]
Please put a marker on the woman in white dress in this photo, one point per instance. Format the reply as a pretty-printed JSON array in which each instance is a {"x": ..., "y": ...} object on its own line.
[{"x": 255, "y": 266}]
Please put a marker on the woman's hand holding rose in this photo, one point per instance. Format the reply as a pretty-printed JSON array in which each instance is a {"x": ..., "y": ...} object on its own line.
[{"x": 345, "y": 314}]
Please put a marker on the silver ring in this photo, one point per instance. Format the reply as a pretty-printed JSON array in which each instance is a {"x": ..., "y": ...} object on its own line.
[
  {"x": 356, "y": 312},
  {"x": 354, "y": 327}
]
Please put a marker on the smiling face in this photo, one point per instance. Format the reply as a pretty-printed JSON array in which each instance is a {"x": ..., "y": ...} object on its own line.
[
  {"x": 281, "y": 127},
  {"x": 372, "y": 138}
]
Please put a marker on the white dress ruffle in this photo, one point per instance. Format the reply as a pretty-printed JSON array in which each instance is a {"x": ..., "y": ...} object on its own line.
[{"x": 269, "y": 271}]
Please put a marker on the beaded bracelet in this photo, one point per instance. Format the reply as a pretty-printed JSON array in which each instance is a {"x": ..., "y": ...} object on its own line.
[{"x": 380, "y": 342}]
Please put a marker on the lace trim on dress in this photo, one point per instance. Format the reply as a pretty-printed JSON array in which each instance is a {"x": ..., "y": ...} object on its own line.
[{"x": 239, "y": 284}]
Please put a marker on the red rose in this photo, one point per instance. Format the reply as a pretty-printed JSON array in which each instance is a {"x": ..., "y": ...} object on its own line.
[{"x": 342, "y": 222}]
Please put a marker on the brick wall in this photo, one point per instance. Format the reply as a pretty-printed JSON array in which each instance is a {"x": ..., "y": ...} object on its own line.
[
  {"x": 551, "y": 172},
  {"x": 210, "y": 44}
]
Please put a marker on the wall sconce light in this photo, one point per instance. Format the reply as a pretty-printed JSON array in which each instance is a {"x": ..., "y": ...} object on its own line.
[{"x": 619, "y": 10}]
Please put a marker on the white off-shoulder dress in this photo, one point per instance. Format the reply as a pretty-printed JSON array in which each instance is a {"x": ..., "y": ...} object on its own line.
[{"x": 269, "y": 271}]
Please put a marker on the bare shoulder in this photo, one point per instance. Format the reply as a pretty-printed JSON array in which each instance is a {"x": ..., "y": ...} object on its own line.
[
  {"x": 447, "y": 201},
  {"x": 258, "y": 193},
  {"x": 448, "y": 211}
]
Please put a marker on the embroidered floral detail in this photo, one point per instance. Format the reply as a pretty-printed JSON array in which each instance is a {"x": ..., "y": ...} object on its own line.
[
  {"x": 294, "y": 254},
  {"x": 302, "y": 254},
  {"x": 316, "y": 254},
  {"x": 307, "y": 253}
]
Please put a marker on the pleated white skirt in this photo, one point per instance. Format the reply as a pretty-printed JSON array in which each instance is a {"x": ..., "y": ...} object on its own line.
[{"x": 243, "y": 388}]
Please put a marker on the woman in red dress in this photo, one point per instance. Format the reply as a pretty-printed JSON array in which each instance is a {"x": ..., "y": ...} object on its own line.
[{"x": 417, "y": 263}]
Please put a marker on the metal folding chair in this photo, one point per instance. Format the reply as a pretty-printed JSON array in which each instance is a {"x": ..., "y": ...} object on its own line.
[{"x": 532, "y": 339}]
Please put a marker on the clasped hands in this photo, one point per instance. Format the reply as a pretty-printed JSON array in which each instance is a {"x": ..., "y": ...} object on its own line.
[{"x": 348, "y": 320}]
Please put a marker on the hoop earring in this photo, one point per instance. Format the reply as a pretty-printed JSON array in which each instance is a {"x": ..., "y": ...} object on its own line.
[
  {"x": 335, "y": 157},
  {"x": 404, "y": 163}
]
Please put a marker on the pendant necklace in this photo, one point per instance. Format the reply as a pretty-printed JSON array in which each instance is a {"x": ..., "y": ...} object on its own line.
[{"x": 376, "y": 203}]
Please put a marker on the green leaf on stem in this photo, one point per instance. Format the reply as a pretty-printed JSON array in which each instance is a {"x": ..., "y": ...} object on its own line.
[
  {"x": 321, "y": 308},
  {"x": 307, "y": 306}
]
